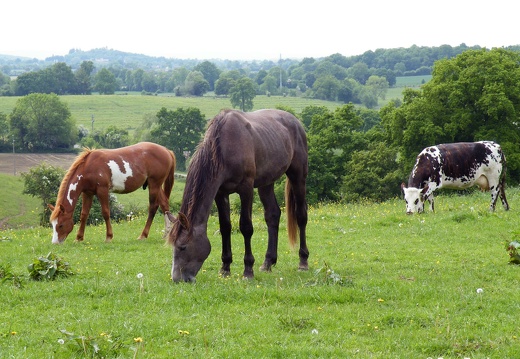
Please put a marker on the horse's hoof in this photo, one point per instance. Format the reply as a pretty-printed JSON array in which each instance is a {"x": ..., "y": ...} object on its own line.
[
  {"x": 265, "y": 268},
  {"x": 225, "y": 273},
  {"x": 303, "y": 267}
]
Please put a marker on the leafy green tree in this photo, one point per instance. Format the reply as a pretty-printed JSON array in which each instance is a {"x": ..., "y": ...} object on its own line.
[
  {"x": 372, "y": 173},
  {"x": 5, "y": 135},
  {"x": 42, "y": 122},
  {"x": 332, "y": 138},
  {"x": 326, "y": 88},
  {"x": 226, "y": 81},
  {"x": 242, "y": 94},
  {"x": 179, "y": 130},
  {"x": 43, "y": 181},
  {"x": 309, "y": 112},
  {"x": 105, "y": 82},
  {"x": 271, "y": 85},
  {"x": 210, "y": 72},
  {"x": 83, "y": 78},
  {"x": 196, "y": 84},
  {"x": 378, "y": 85}
]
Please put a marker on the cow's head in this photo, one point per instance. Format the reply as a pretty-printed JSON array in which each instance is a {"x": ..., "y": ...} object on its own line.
[{"x": 414, "y": 198}]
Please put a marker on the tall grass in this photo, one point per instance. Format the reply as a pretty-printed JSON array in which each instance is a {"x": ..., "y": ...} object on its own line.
[{"x": 381, "y": 284}]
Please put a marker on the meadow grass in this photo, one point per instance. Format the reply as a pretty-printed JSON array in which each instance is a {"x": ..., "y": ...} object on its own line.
[
  {"x": 381, "y": 284},
  {"x": 128, "y": 111}
]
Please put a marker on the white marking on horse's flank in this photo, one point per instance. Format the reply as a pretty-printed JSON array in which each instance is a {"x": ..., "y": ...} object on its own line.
[
  {"x": 72, "y": 187},
  {"x": 54, "y": 232},
  {"x": 119, "y": 178}
]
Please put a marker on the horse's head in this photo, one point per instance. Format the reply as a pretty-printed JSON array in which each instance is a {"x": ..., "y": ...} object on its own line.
[
  {"x": 191, "y": 247},
  {"x": 62, "y": 224}
]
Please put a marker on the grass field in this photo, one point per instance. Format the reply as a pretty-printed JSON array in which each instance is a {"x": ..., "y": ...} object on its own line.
[
  {"x": 381, "y": 284},
  {"x": 128, "y": 111}
]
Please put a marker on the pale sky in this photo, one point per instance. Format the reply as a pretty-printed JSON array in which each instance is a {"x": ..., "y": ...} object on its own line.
[{"x": 251, "y": 30}]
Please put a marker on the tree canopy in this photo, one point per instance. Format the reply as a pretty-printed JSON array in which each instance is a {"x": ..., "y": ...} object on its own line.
[{"x": 42, "y": 122}]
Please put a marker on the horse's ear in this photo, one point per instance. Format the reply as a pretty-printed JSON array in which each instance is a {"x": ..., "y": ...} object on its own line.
[
  {"x": 403, "y": 186},
  {"x": 51, "y": 207},
  {"x": 183, "y": 220}
]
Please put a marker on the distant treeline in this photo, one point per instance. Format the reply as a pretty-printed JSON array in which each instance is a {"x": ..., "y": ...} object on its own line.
[{"x": 361, "y": 79}]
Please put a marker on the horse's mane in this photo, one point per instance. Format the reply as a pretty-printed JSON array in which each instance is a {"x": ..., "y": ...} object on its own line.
[
  {"x": 204, "y": 167},
  {"x": 63, "y": 186}
]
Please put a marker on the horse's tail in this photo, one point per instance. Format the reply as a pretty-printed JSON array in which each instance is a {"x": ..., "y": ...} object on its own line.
[
  {"x": 170, "y": 179},
  {"x": 290, "y": 208}
]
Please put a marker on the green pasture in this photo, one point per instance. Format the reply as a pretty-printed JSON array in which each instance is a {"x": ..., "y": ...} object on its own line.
[
  {"x": 381, "y": 284},
  {"x": 127, "y": 111}
]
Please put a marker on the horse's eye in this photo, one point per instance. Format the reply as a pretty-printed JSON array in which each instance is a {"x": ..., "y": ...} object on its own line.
[{"x": 181, "y": 247}]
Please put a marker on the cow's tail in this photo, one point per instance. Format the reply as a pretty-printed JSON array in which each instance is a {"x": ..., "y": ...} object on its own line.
[{"x": 290, "y": 209}]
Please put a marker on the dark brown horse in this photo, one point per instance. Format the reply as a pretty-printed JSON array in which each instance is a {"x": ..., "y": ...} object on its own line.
[
  {"x": 240, "y": 152},
  {"x": 122, "y": 170}
]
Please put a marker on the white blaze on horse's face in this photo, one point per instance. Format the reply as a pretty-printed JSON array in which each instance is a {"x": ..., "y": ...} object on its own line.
[
  {"x": 118, "y": 177},
  {"x": 54, "y": 232},
  {"x": 414, "y": 200}
]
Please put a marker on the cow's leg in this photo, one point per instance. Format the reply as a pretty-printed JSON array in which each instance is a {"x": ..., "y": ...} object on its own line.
[
  {"x": 502, "y": 186},
  {"x": 432, "y": 202}
]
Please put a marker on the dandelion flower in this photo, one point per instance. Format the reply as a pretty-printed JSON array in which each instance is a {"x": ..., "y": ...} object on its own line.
[
  {"x": 61, "y": 341},
  {"x": 480, "y": 290},
  {"x": 138, "y": 340},
  {"x": 314, "y": 331},
  {"x": 139, "y": 275}
]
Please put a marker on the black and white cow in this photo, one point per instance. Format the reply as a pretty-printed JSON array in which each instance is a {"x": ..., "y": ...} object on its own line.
[{"x": 457, "y": 166}]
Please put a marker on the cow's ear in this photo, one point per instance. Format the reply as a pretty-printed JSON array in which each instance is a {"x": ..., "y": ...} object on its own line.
[
  {"x": 425, "y": 189},
  {"x": 403, "y": 186}
]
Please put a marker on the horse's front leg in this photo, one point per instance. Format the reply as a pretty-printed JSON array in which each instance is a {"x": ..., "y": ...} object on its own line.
[
  {"x": 272, "y": 215},
  {"x": 103, "y": 197},
  {"x": 224, "y": 217},
  {"x": 246, "y": 228},
  {"x": 86, "y": 204}
]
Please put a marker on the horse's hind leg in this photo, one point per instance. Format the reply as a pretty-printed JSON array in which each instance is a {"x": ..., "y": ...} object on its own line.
[
  {"x": 272, "y": 215},
  {"x": 222, "y": 202}
]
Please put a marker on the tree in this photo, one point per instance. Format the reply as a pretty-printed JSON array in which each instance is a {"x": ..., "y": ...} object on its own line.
[
  {"x": 179, "y": 130},
  {"x": 242, "y": 94},
  {"x": 83, "y": 80},
  {"x": 196, "y": 84},
  {"x": 326, "y": 88},
  {"x": 226, "y": 81},
  {"x": 210, "y": 72},
  {"x": 105, "y": 82},
  {"x": 332, "y": 138},
  {"x": 43, "y": 181},
  {"x": 41, "y": 122}
]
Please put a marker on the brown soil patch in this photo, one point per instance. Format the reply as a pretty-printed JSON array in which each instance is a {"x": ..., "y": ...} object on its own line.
[{"x": 21, "y": 162}]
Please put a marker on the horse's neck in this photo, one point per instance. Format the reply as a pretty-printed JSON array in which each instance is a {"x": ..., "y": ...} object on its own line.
[
  {"x": 73, "y": 188},
  {"x": 201, "y": 206}
]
